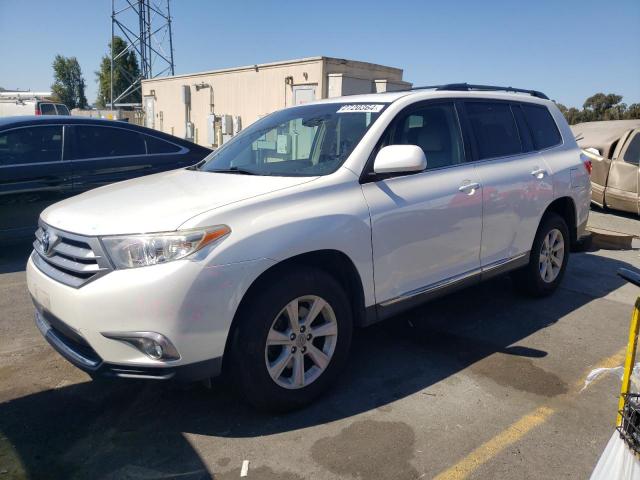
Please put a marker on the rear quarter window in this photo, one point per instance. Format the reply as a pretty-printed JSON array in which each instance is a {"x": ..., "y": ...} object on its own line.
[
  {"x": 542, "y": 125},
  {"x": 157, "y": 146},
  {"x": 62, "y": 109}
]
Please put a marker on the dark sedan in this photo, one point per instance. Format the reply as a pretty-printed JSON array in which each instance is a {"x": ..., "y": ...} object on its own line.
[{"x": 46, "y": 159}]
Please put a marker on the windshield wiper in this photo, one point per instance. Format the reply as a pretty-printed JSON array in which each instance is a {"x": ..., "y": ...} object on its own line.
[{"x": 238, "y": 170}]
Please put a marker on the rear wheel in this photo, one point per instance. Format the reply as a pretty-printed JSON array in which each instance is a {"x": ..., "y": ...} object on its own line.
[
  {"x": 548, "y": 258},
  {"x": 292, "y": 339}
]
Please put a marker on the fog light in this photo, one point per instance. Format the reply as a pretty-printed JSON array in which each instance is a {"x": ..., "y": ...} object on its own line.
[
  {"x": 153, "y": 345},
  {"x": 152, "y": 348}
]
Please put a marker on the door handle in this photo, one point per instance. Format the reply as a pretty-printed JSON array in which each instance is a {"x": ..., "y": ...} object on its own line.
[
  {"x": 469, "y": 188},
  {"x": 539, "y": 173}
]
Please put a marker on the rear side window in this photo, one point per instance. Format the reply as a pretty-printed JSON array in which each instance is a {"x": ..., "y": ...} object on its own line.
[
  {"x": 543, "y": 128},
  {"x": 47, "y": 109},
  {"x": 31, "y": 145},
  {"x": 632, "y": 155},
  {"x": 523, "y": 129},
  {"x": 155, "y": 146},
  {"x": 95, "y": 141},
  {"x": 494, "y": 128},
  {"x": 62, "y": 109},
  {"x": 435, "y": 129}
]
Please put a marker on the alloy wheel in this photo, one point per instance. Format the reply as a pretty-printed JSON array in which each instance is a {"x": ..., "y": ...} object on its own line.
[
  {"x": 301, "y": 342},
  {"x": 551, "y": 255}
]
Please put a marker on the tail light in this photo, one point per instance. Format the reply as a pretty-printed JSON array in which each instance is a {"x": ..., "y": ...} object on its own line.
[
  {"x": 586, "y": 162},
  {"x": 38, "y": 112}
]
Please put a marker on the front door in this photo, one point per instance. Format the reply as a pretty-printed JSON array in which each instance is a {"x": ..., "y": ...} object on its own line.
[
  {"x": 426, "y": 227},
  {"x": 622, "y": 185},
  {"x": 33, "y": 175}
]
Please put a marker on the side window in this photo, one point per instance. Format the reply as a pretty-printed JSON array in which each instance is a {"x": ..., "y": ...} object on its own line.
[
  {"x": 494, "y": 129},
  {"x": 62, "y": 109},
  {"x": 523, "y": 128},
  {"x": 155, "y": 145},
  {"x": 31, "y": 145},
  {"x": 435, "y": 129},
  {"x": 95, "y": 141},
  {"x": 543, "y": 127},
  {"x": 47, "y": 109},
  {"x": 632, "y": 155}
]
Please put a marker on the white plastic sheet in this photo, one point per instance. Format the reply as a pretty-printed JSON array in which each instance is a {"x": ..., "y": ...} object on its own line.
[
  {"x": 617, "y": 371},
  {"x": 617, "y": 462}
]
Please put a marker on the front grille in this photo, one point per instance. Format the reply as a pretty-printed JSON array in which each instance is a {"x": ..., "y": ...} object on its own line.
[{"x": 69, "y": 258}]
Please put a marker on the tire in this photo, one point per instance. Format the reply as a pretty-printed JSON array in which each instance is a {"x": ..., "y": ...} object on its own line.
[
  {"x": 266, "y": 314},
  {"x": 536, "y": 279}
]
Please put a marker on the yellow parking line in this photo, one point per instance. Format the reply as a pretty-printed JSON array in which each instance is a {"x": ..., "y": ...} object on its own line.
[{"x": 491, "y": 448}]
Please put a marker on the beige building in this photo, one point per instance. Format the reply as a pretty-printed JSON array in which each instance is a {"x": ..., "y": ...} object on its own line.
[{"x": 209, "y": 107}]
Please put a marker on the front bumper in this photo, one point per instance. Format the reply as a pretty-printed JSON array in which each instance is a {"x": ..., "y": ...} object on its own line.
[
  {"x": 77, "y": 351},
  {"x": 189, "y": 302}
]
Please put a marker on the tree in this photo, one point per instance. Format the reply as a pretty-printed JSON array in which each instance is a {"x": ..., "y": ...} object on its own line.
[
  {"x": 68, "y": 86},
  {"x": 126, "y": 71},
  {"x": 601, "y": 107},
  {"x": 633, "y": 111},
  {"x": 600, "y": 103}
]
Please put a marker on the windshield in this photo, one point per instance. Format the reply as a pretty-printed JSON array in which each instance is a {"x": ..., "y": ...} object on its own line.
[{"x": 309, "y": 140}]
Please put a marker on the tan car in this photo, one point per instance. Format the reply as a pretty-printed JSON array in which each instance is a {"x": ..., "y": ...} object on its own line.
[{"x": 614, "y": 149}]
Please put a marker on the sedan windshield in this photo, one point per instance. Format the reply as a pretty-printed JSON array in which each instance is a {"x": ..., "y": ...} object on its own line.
[{"x": 309, "y": 140}]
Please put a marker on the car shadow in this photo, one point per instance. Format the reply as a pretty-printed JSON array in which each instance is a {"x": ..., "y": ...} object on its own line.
[
  {"x": 614, "y": 213},
  {"x": 122, "y": 429}
]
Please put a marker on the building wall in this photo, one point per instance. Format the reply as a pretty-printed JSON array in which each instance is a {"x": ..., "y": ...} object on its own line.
[{"x": 249, "y": 92}]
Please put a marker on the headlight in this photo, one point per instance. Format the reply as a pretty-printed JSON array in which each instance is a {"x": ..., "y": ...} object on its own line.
[{"x": 132, "y": 251}]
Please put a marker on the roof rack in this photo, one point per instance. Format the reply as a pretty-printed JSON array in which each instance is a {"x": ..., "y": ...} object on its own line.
[{"x": 465, "y": 87}]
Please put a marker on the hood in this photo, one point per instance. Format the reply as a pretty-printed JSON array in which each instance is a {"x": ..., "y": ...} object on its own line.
[{"x": 160, "y": 202}]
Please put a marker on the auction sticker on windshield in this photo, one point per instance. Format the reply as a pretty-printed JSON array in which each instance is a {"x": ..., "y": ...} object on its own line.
[{"x": 360, "y": 107}]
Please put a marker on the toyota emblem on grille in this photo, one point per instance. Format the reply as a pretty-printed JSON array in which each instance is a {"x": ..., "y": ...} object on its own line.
[{"x": 46, "y": 241}]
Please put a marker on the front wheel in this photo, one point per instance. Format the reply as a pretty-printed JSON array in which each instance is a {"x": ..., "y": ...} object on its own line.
[
  {"x": 292, "y": 339},
  {"x": 548, "y": 258}
]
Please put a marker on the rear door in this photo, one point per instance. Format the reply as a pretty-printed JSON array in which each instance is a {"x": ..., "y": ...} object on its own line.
[
  {"x": 33, "y": 175},
  {"x": 103, "y": 154},
  {"x": 622, "y": 186},
  {"x": 516, "y": 182}
]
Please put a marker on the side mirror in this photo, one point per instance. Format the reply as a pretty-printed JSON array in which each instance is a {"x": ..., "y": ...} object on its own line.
[{"x": 400, "y": 159}]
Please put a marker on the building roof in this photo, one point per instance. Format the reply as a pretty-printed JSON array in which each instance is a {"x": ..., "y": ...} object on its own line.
[{"x": 258, "y": 66}]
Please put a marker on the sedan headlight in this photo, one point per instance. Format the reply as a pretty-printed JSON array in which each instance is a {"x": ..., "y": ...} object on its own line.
[{"x": 133, "y": 251}]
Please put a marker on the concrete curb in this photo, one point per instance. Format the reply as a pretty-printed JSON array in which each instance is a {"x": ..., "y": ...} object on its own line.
[{"x": 610, "y": 240}]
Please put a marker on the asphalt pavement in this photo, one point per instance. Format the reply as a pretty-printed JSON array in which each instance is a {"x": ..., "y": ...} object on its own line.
[{"x": 482, "y": 384}]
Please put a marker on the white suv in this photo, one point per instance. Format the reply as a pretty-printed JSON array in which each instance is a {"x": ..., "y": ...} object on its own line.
[{"x": 261, "y": 260}]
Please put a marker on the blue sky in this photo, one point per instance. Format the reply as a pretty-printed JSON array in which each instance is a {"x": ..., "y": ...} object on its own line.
[{"x": 568, "y": 49}]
